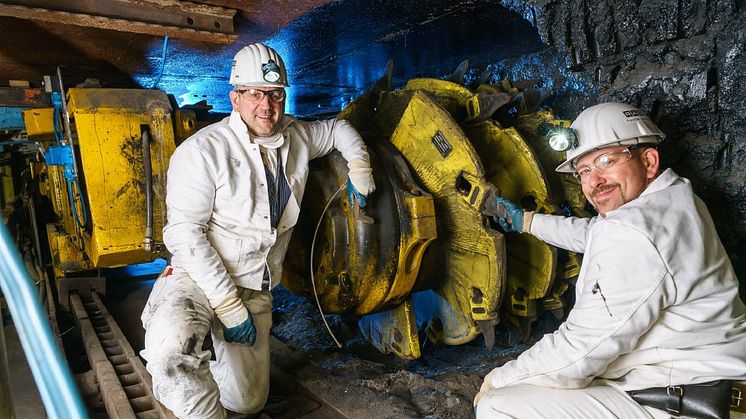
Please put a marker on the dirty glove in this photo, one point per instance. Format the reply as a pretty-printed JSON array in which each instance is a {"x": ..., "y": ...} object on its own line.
[
  {"x": 238, "y": 325},
  {"x": 361, "y": 199},
  {"x": 486, "y": 387},
  {"x": 360, "y": 182},
  {"x": 515, "y": 214},
  {"x": 243, "y": 333}
]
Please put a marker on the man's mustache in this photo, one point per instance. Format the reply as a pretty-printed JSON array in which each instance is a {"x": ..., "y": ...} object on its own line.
[{"x": 603, "y": 188}]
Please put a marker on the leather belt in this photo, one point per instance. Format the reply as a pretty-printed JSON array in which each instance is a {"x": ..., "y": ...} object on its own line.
[{"x": 705, "y": 400}]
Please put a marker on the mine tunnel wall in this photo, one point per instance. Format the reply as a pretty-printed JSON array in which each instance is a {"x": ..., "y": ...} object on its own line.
[{"x": 681, "y": 61}]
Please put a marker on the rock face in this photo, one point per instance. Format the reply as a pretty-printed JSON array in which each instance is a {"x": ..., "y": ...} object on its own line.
[{"x": 681, "y": 61}]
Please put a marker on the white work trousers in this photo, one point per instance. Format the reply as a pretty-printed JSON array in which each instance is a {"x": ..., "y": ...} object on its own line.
[
  {"x": 596, "y": 401},
  {"x": 177, "y": 317}
]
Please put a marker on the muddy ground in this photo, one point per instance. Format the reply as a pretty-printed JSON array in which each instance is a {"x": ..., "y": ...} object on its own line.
[
  {"x": 356, "y": 380},
  {"x": 363, "y": 383}
]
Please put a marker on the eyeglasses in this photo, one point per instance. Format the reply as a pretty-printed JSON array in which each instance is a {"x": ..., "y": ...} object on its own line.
[
  {"x": 256, "y": 95},
  {"x": 603, "y": 163}
]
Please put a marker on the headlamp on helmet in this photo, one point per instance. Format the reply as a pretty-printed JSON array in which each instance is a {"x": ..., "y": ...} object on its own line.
[
  {"x": 258, "y": 65},
  {"x": 271, "y": 71},
  {"x": 559, "y": 135},
  {"x": 609, "y": 124}
]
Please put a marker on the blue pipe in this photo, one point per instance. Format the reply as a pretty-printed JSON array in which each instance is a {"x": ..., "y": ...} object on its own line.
[
  {"x": 70, "y": 183},
  {"x": 51, "y": 373}
]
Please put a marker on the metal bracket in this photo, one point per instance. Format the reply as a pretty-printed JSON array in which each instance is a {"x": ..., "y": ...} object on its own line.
[{"x": 82, "y": 286}]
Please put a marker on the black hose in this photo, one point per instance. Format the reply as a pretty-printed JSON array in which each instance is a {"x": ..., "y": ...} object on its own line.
[{"x": 147, "y": 243}]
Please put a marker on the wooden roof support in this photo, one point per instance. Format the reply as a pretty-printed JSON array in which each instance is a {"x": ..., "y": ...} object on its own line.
[{"x": 177, "y": 19}]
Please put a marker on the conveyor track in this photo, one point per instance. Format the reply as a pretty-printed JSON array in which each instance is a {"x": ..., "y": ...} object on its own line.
[{"x": 124, "y": 383}]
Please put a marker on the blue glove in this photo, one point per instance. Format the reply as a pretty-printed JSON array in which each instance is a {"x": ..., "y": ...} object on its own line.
[
  {"x": 243, "y": 333},
  {"x": 352, "y": 192},
  {"x": 515, "y": 223}
]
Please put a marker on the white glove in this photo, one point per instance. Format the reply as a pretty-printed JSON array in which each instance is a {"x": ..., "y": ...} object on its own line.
[
  {"x": 232, "y": 312},
  {"x": 361, "y": 176},
  {"x": 486, "y": 387}
]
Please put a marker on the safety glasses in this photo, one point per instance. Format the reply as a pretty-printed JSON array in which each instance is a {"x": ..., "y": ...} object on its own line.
[
  {"x": 256, "y": 95},
  {"x": 603, "y": 163}
]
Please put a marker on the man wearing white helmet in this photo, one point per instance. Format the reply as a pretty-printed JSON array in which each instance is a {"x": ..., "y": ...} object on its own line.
[
  {"x": 233, "y": 197},
  {"x": 658, "y": 327}
]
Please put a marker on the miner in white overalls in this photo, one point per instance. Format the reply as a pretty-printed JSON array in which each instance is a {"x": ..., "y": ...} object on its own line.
[
  {"x": 233, "y": 196},
  {"x": 657, "y": 310}
]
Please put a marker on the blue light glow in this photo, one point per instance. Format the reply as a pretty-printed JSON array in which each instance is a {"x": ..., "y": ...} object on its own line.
[
  {"x": 141, "y": 269},
  {"x": 330, "y": 59},
  {"x": 337, "y": 51}
]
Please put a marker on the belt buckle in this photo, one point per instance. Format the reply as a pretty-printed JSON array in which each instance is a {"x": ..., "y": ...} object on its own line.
[
  {"x": 678, "y": 392},
  {"x": 736, "y": 397}
]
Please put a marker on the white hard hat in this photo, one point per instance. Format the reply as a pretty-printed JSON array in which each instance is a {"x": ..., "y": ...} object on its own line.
[
  {"x": 258, "y": 65},
  {"x": 608, "y": 125}
]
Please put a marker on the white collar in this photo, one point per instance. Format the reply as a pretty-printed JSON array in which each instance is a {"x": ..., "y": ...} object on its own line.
[{"x": 273, "y": 141}]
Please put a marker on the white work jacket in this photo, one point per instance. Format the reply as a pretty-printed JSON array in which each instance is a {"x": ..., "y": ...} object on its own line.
[
  {"x": 657, "y": 299},
  {"x": 218, "y": 227}
]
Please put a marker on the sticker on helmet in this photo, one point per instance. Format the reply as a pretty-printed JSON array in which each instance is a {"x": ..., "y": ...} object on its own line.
[
  {"x": 633, "y": 112},
  {"x": 271, "y": 71},
  {"x": 634, "y": 116}
]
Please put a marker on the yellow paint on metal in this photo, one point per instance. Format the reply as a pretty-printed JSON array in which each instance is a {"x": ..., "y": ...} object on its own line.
[
  {"x": 503, "y": 86},
  {"x": 414, "y": 240},
  {"x": 57, "y": 188},
  {"x": 66, "y": 256},
  {"x": 467, "y": 260},
  {"x": 566, "y": 193},
  {"x": 513, "y": 168},
  {"x": 565, "y": 189},
  {"x": 6, "y": 186},
  {"x": 38, "y": 121},
  {"x": 511, "y": 165},
  {"x": 109, "y": 124},
  {"x": 450, "y": 96},
  {"x": 377, "y": 291},
  {"x": 38, "y": 171},
  {"x": 417, "y": 227},
  {"x": 361, "y": 268},
  {"x": 394, "y": 331},
  {"x": 185, "y": 124}
]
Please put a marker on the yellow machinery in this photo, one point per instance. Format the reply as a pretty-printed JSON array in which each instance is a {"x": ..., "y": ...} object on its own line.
[
  {"x": 361, "y": 267},
  {"x": 565, "y": 191},
  {"x": 426, "y": 254},
  {"x": 463, "y": 269},
  {"x": 466, "y": 265},
  {"x": 6, "y": 186},
  {"x": 512, "y": 167},
  {"x": 520, "y": 163},
  {"x": 364, "y": 263},
  {"x": 463, "y": 158},
  {"x": 112, "y": 212}
]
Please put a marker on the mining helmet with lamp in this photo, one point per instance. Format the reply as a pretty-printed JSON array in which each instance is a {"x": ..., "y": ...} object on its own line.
[
  {"x": 260, "y": 66},
  {"x": 608, "y": 125}
]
